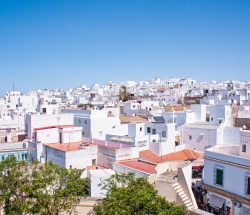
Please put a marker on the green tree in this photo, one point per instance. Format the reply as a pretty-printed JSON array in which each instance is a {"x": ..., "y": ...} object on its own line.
[
  {"x": 124, "y": 94},
  {"x": 81, "y": 105},
  {"x": 35, "y": 188},
  {"x": 13, "y": 186},
  {"x": 127, "y": 195}
]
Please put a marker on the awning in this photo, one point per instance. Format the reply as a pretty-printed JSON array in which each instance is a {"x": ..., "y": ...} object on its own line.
[
  {"x": 199, "y": 167},
  {"x": 244, "y": 211},
  {"x": 216, "y": 201}
]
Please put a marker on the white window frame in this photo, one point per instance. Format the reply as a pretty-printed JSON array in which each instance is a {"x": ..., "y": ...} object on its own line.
[{"x": 215, "y": 175}]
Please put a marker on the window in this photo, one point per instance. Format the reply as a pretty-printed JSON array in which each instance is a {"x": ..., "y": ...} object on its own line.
[
  {"x": 79, "y": 121},
  {"x": 85, "y": 122},
  {"x": 154, "y": 131},
  {"x": 93, "y": 162},
  {"x": 219, "y": 176},
  {"x": 244, "y": 148},
  {"x": 148, "y": 130},
  {"x": 140, "y": 128},
  {"x": 190, "y": 137},
  {"x": 164, "y": 134},
  {"x": 247, "y": 185},
  {"x": 60, "y": 137}
]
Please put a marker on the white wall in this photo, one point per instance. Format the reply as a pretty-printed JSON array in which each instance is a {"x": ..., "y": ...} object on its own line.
[
  {"x": 228, "y": 135},
  {"x": 44, "y": 120},
  {"x": 70, "y": 135},
  {"x": 97, "y": 178},
  {"x": 180, "y": 118},
  {"x": 48, "y": 135},
  {"x": 81, "y": 158},
  {"x": 232, "y": 176},
  {"x": 199, "y": 111},
  {"x": 221, "y": 113},
  {"x": 198, "y": 138},
  {"x": 245, "y": 139}
]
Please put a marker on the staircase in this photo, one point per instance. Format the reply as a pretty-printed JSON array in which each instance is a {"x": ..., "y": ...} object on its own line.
[{"x": 184, "y": 198}]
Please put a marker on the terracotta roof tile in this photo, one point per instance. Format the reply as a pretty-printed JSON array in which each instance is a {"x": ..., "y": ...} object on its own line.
[
  {"x": 139, "y": 165},
  {"x": 183, "y": 155}
]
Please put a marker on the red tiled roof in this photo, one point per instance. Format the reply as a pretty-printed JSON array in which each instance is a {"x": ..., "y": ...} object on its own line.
[
  {"x": 139, "y": 165},
  {"x": 183, "y": 155},
  {"x": 68, "y": 146},
  {"x": 54, "y": 126}
]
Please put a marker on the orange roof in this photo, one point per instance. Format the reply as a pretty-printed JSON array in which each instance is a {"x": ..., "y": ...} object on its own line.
[
  {"x": 54, "y": 126},
  {"x": 183, "y": 155},
  {"x": 68, "y": 146},
  {"x": 132, "y": 119},
  {"x": 161, "y": 89},
  {"x": 139, "y": 165},
  {"x": 170, "y": 108}
]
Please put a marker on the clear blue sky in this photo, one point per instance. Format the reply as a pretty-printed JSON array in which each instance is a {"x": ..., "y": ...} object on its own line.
[{"x": 59, "y": 43}]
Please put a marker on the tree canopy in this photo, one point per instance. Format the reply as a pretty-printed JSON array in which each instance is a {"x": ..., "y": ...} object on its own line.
[
  {"x": 127, "y": 195},
  {"x": 124, "y": 94},
  {"x": 33, "y": 188}
]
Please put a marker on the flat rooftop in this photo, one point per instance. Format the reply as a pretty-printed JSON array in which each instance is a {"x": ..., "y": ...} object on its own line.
[
  {"x": 201, "y": 126},
  {"x": 75, "y": 146},
  {"x": 228, "y": 153}
]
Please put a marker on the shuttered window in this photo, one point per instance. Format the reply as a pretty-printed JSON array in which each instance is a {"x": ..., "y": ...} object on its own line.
[
  {"x": 219, "y": 177},
  {"x": 248, "y": 185}
]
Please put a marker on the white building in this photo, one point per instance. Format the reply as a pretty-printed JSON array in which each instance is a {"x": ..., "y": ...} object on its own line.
[
  {"x": 97, "y": 123},
  {"x": 97, "y": 180},
  {"x": 221, "y": 114},
  {"x": 78, "y": 155},
  {"x": 33, "y": 121},
  {"x": 227, "y": 177},
  {"x": 200, "y": 136},
  {"x": 63, "y": 134}
]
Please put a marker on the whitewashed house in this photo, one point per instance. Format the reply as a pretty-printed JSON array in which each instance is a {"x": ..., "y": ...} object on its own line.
[
  {"x": 97, "y": 123},
  {"x": 200, "y": 136},
  {"x": 221, "y": 114},
  {"x": 227, "y": 177}
]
